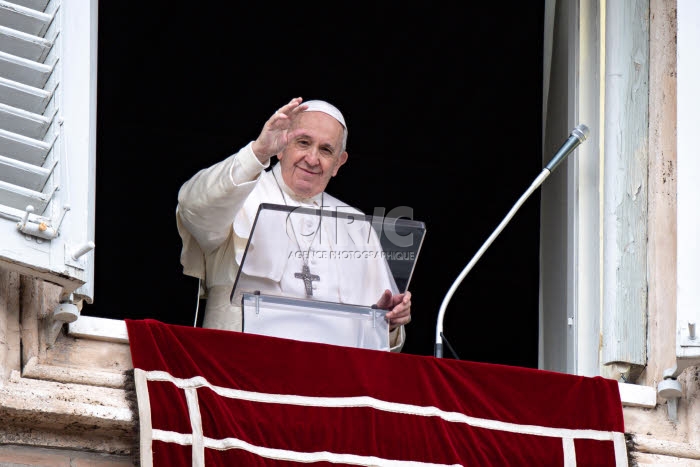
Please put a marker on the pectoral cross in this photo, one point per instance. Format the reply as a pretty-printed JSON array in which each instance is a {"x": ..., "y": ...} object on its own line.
[{"x": 307, "y": 277}]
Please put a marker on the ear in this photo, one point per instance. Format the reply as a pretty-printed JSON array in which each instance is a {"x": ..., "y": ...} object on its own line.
[{"x": 342, "y": 160}]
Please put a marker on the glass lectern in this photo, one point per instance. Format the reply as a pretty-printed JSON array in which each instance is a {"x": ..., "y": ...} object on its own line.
[{"x": 317, "y": 274}]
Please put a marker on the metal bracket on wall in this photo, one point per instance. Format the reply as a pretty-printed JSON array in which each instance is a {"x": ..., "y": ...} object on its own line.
[
  {"x": 41, "y": 229},
  {"x": 670, "y": 388}
]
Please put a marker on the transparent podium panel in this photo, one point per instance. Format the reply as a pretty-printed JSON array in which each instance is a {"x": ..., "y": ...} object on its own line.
[
  {"x": 333, "y": 266},
  {"x": 323, "y": 322}
]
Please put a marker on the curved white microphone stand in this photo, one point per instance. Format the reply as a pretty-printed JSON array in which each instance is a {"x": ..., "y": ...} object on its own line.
[{"x": 578, "y": 135}]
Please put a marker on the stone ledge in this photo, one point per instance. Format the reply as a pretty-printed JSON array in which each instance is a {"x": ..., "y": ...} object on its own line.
[
  {"x": 37, "y": 371},
  {"x": 17, "y": 455},
  {"x": 68, "y": 411},
  {"x": 32, "y": 441},
  {"x": 649, "y": 445}
]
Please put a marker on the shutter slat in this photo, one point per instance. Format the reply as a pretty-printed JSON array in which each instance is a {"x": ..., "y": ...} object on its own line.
[
  {"x": 23, "y": 127},
  {"x": 19, "y": 198},
  {"x": 24, "y": 71},
  {"x": 24, "y": 45},
  {"x": 24, "y": 123},
  {"x": 24, "y": 97},
  {"x": 24, "y": 19},
  {"x": 29, "y": 150},
  {"x": 39, "y": 5},
  {"x": 24, "y": 175}
]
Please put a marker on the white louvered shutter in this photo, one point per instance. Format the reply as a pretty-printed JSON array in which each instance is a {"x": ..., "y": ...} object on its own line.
[{"x": 48, "y": 77}]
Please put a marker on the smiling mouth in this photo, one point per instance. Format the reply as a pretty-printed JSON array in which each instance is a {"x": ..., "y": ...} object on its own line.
[{"x": 308, "y": 171}]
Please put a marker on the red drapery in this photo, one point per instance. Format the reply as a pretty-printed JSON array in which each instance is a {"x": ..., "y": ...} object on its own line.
[{"x": 210, "y": 397}]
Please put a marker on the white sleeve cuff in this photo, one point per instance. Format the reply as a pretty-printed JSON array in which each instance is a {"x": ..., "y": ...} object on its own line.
[{"x": 246, "y": 167}]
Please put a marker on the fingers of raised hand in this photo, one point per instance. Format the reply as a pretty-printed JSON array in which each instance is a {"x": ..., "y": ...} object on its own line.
[
  {"x": 292, "y": 107},
  {"x": 282, "y": 117},
  {"x": 278, "y": 121}
]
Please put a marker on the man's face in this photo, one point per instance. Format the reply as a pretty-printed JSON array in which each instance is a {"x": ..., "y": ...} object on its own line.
[{"x": 313, "y": 156}]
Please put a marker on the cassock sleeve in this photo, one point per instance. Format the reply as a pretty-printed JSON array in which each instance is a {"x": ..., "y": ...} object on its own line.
[{"x": 208, "y": 202}]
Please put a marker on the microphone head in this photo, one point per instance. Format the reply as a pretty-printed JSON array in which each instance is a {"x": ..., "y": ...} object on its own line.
[{"x": 581, "y": 132}]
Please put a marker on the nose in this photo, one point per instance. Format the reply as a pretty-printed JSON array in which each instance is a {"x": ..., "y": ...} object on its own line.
[{"x": 312, "y": 156}]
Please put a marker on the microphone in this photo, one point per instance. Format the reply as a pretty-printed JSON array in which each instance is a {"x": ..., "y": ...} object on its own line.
[{"x": 578, "y": 135}]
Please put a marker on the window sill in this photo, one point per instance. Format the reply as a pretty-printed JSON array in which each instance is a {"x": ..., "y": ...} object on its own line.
[
  {"x": 101, "y": 329},
  {"x": 634, "y": 395}
]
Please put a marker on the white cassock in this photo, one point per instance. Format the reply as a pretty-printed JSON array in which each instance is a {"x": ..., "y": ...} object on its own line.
[{"x": 215, "y": 213}]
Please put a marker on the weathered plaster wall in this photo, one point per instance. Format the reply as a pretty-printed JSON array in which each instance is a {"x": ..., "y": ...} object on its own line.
[
  {"x": 71, "y": 395},
  {"x": 659, "y": 441},
  {"x": 662, "y": 191}
]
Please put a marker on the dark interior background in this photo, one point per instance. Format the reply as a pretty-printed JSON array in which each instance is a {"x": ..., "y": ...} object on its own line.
[{"x": 443, "y": 105}]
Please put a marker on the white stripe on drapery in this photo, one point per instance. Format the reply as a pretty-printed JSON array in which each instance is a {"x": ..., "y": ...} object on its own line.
[
  {"x": 569, "y": 452},
  {"x": 145, "y": 428},
  {"x": 196, "y": 422},
  {"x": 295, "y": 456},
  {"x": 620, "y": 448},
  {"x": 366, "y": 401}
]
